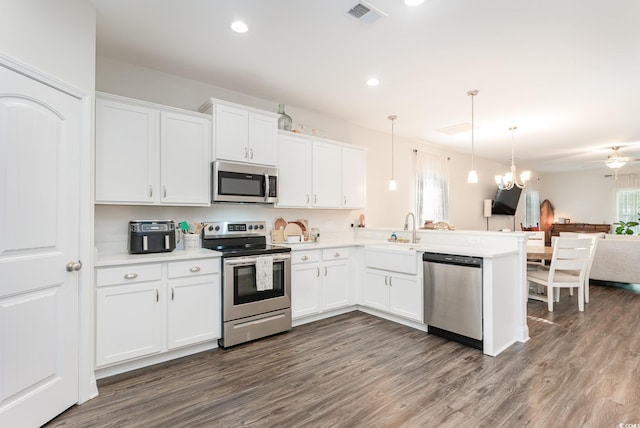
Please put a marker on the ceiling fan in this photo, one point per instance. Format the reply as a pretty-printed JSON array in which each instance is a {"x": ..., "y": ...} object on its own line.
[{"x": 616, "y": 160}]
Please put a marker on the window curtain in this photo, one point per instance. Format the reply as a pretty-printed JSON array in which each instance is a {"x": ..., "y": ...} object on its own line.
[
  {"x": 628, "y": 197},
  {"x": 432, "y": 187},
  {"x": 531, "y": 208}
]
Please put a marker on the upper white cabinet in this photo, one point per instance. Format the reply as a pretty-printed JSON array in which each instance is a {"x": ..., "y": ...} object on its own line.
[
  {"x": 150, "y": 154},
  {"x": 327, "y": 175},
  {"x": 320, "y": 173},
  {"x": 294, "y": 171},
  {"x": 354, "y": 177},
  {"x": 243, "y": 134}
]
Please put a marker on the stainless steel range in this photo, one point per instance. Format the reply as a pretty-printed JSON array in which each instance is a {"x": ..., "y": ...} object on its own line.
[{"x": 256, "y": 281}]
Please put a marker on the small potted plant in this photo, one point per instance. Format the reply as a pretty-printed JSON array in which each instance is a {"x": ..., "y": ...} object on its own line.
[{"x": 626, "y": 228}]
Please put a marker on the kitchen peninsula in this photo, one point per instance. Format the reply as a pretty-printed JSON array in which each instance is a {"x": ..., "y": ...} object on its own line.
[{"x": 504, "y": 293}]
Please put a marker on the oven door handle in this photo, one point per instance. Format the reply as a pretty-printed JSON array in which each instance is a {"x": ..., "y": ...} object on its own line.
[{"x": 252, "y": 260}]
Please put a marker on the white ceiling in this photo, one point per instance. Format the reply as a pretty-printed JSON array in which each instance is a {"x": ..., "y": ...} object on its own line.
[{"x": 566, "y": 73}]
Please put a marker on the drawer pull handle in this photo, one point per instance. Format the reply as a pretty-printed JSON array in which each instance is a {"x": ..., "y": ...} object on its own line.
[
  {"x": 131, "y": 275},
  {"x": 336, "y": 254},
  {"x": 157, "y": 295},
  {"x": 172, "y": 293},
  {"x": 304, "y": 258},
  {"x": 195, "y": 269}
]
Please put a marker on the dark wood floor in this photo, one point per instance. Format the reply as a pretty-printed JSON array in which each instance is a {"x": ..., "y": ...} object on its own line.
[{"x": 356, "y": 370}]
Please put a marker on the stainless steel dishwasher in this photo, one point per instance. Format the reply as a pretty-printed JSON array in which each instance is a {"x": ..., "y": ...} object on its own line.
[{"x": 453, "y": 297}]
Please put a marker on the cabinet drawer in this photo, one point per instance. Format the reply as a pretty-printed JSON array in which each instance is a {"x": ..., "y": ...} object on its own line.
[
  {"x": 335, "y": 253},
  {"x": 193, "y": 267},
  {"x": 128, "y": 274},
  {"x": 305, "y": 256}
]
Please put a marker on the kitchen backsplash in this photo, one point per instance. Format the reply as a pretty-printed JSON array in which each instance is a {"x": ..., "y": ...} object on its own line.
[{"x": 111, "y": 221}]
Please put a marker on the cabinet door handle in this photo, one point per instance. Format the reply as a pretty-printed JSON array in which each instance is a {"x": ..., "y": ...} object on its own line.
[
  {"x": 246, "y": 153},
  {"x": 251, "y": 151},
  {"x": 318, "y": 274},
  {"x": 131, "y": 275},
  {"x": 390, "y": 284},
  {"x": 195, "y": 269},
  {"x": 164, "y": 191},
  {"x": 150, "y": 190},
  {"x": 386, "y": 280},
  {"x": 304, "y": 258},
  {"x": 307, "y": 198},
  {"x": 325, "y": 271},
  {"x": 345, "y": 200},
  {"x": 157, "y": 295},
  {"x": 172, "y": 293},
  {"x": 315, "y": 198}
]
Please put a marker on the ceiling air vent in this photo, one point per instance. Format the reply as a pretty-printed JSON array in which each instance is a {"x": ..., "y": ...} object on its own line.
[{"x": 365, "y": 13}]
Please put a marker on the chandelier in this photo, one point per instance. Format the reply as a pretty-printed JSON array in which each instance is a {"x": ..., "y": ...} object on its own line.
[{"x": 510, "y": 179}]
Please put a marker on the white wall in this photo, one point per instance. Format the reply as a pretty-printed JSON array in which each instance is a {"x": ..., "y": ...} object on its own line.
[
  {"x": 384, "y": 208},
  {"x": 583, "y": 196},
  {"x": 57, "y": 37}
]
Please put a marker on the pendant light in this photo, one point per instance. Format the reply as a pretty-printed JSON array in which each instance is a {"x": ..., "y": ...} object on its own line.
[
  {"x": 510, "y": 179},
  {"x": 473, "y": 175},
  {"x": 392, "y": 182}
]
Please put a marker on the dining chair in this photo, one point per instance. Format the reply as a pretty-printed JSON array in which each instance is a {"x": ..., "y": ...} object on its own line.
[
  {"x": 536, "y": 239},
  {"x": 567, "y": 269},
  {"x": 594, "y": 243}
]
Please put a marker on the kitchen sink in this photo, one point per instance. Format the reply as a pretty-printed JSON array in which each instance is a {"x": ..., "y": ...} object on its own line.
[{"x": 395, "y": 257}]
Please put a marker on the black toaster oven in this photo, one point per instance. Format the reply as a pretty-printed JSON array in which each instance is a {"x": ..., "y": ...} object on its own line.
[{"x": 151, "y": 236}]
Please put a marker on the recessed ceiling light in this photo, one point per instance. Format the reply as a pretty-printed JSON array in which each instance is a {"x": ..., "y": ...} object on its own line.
[
  {"x": 239, "y": 27},
  {"x": 373, "y": 82},
  {"x": 413, "y": 2}
]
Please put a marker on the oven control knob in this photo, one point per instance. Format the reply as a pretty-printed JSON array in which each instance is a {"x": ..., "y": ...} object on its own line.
[
  {"x": 250, "y": 227},
  {"x": 217, "y": 228},
  {"x": 210, "y": 228},
  {"x": 261, "y": 226}
]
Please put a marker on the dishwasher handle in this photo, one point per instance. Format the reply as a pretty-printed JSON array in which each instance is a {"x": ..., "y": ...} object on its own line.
[{"x": 452, "y": 259}]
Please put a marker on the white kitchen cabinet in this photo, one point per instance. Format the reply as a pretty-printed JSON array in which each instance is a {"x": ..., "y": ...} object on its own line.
[
  {"x": 243, "y": 134},
  {"x": 150, "y": 154},
  {"x": 294, "y": 171},
  {"x": 327, "y": 175},
  {"x": 319, "y": 281},
  {"x": 354, "y": 177},
  {"x": 193, "y": 296},
  {"x": 128, "y": 313},
  {"x": 320, "y": 174},
  {"x": 396, "y": 293},
  {"x": 305, "y": 286},
  {"x": 335, "y": 282},
  {"x": 147, "y": 309}
]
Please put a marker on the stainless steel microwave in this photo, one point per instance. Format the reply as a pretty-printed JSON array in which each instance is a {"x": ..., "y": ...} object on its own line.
[{"x": 241, "y": 182}]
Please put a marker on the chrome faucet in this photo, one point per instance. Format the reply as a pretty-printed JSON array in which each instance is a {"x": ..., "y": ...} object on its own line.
[{"x": 406, "y": 226}]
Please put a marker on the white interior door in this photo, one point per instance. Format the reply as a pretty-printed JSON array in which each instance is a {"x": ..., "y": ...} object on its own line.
[{"x": 40, "y": 134}]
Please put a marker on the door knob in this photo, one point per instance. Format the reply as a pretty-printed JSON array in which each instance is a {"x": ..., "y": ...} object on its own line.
[{"x": 74, "y": 266}]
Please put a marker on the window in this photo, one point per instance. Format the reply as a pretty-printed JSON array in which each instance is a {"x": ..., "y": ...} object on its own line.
[
  {"x": 432, "y": 188},
  {"x": 531, "y": 208},
  {"x": 628, "y": 198}
]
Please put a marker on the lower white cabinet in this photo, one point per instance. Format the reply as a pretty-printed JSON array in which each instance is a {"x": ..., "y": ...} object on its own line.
[
  {"x": 319, "y": 281},
  {"x": 193, "y": 297},
  {"x": 146, "y": 309},
  {"x": 393, "y": 292}
]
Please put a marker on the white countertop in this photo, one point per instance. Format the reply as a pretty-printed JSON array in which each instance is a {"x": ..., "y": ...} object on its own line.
[
  {"x": 472, "y": 251},
  {"x": 111, "y": 259}
]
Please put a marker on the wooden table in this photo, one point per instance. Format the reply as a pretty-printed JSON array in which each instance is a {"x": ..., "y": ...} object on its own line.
[{"x": 538, "y": 252}]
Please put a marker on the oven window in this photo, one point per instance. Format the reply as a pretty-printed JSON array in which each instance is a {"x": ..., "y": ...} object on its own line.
[
  {"x": 244, "y": 284},
  {"x": 237, "y": 184}
]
